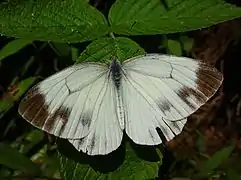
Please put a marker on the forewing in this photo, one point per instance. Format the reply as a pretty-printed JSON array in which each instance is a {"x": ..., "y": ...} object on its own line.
[
  {"x": 161, "y": 91},
  {"x": 105, "y": 134},
  {"x": 175, "y": 87},
  {"x": 64, "y": 104}
]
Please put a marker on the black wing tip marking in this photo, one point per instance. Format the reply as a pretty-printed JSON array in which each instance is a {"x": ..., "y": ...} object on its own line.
[
  {"x": 63, "y": 114},
  {"x": 185, "y": 92},
  {"x": 35, "y": 110},
  {"x": 33, "y": 104},
  {"x": 209, "y": 79}
]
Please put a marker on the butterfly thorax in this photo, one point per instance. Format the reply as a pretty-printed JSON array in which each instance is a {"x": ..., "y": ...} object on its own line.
[{"x": 115, "y": 70}]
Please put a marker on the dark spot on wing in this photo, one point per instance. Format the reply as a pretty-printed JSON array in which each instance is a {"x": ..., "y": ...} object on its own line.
[
  {"x": 85, "y": 119},
  {"x": 164, "y": 106},
  {"x": 63, "y": 114},
  {"x": 186, "y": 92},
  {"x": 208, "y": 79}
]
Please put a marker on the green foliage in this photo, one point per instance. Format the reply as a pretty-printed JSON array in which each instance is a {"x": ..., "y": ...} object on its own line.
[
  {"x": 13, "y": 47},
  {"x": 187, "y": 43},
  {"x": 11, "y": 158},
  {"x": 62, "y": 49},
  {"x": 215, "y": 161},
  {"x": 131, "y": 17},
  {"x": 24, "y": 86},
  {"x": 32, "y": 138},
  {"x": 200, "y": 143},
  {"x": 173, "y": 46},
  {"x": 60, "y": 21},
  {"x": 76, "y": 21},
  {"x": 8, "y": 101},
  {"x": 178, "y": 45},
  {"x": 133, "y": 167},
  {"x": 233, "y": 174},
  {"x": 105, "y": 49}
]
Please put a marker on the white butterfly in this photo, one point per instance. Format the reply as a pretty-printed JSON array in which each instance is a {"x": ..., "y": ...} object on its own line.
[{"x": 92, "y": 104}]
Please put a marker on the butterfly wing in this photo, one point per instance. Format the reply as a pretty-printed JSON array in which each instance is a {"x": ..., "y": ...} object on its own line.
[
  {"x": 164, "y": 90},
  {"x": 106, "y": 134},
  {"x": 75, "y": 103}
]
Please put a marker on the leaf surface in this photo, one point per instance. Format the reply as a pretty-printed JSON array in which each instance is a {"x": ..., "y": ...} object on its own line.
[
  {"x": 132, "y": 17},
  {"x": 132, "y": 168},
  {"x": 215, "y": 161},
  {"x": 60, "y": 21},
  {"x": 13, "y": 159},
  {"x": 13, "y": 47},
  {"x": 104, "y": 49}
]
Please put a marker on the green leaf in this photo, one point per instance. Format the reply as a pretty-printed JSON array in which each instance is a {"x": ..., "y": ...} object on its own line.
[
  {"x": 105, "y": 49},
  {"x": 187, "y": 43},
  {"x": 51, "y": 165},
  {"x": 35, "y": 135},
  {"x": 13, "y": 159},
  {"x": 180, "y": 178},
  {"x": 200, "y": 143},
  {"x": 174, "y": 47},
  {"x": 61, "y": 49},
  {"x": 5, "y": 105},
  {"x": 215, "y": 161},
  {"x": 132, "y": 168},
  {"x": 132, "y": 17},
  {"x": 4, "y": 172},
  {"x": 7, "y": 101},
  {"x": 31, "y": 139},
  {"x": 60, "y": 21},
  {"x": 233, "y": 174},
  {"x": 74, "y": 53},
  {"x": 23, "y": 86},
  {"x": 13, "y": 47}
]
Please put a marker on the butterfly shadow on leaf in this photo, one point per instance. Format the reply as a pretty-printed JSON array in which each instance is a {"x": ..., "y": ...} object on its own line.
[
  {"x": 102, "y": 163},
  {"x": 147, "y": 153}
]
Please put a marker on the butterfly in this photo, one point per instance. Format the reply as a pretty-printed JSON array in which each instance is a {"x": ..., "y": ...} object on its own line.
[{"x": 93, "y": 104}]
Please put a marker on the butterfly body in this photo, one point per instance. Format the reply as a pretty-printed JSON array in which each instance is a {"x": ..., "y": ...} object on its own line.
[
  {"x": 115, "y": 70},
  {"x": 92, "y": 104}
]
